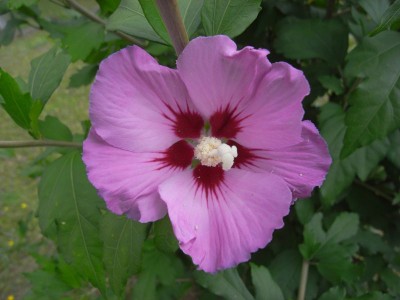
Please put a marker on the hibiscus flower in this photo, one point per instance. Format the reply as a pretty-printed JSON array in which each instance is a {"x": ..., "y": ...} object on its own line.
[{"x": 218, "y": 143}]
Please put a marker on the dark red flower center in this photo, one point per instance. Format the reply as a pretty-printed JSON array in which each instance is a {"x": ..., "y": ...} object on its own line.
[
  {"x": 186, "y": 124},
  {"x": 179, "y": 155},
  {"x": 246, "y": 156},
  {"x": 208, "y": 179},
  {"x": 225, "y": 124}
]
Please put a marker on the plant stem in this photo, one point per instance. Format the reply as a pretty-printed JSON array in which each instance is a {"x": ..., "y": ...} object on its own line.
[
  {"x": 87, "y": 13},
  {"x": 303, "y": 280},
  {"x": 376, "y": 191},
  {"x": 38, "y": 143},
  {"x": 173, "y": 21},
  {"x": 330, "y": 9}
]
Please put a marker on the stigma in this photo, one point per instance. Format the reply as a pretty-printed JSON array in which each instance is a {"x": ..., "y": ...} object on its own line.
[{"x": 211, "y": 152}]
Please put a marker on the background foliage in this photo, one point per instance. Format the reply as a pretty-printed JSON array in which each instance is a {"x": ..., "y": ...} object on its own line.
[{"x": 346, "y": 235}]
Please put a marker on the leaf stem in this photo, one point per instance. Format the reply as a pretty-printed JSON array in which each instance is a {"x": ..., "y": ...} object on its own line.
[
  {"x": 350, "y": 90},
  {"x": 330, "y": 9},
  {"x": 87, "y": 13},
  {"x": 38, "y": 143},
  {"x": 173, "y": 22},
  {"x": 303, "y": 280}
]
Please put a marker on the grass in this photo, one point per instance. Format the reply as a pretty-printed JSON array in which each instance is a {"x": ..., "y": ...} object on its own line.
[{"x": 19, "y": 232}]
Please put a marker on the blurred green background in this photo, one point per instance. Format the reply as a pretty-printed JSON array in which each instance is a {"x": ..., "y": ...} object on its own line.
[{"x": 19, "y": 232}]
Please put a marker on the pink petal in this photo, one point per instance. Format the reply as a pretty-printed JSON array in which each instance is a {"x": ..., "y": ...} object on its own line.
[
  {"x": 138, "y": 105},
  {"x": 128, "y": 181},
  {"x": 245, "y": 97},
  {"x": 273, "y": 118},
  {"x": 217, "y": 75},
  {"x": 303, "y": 166},
  {"x": 220, "y": 226}
]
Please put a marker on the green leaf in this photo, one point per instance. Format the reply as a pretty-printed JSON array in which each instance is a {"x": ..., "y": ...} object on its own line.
[
  {"x": 391, "y": 16},
  {"x": 266, "y": 287},
  {"x": 394, "y": 148},
  {"x": 46, "y": 285},
  {"x": 316, "y": 240},
  {"x": 344, "y": 227},
  {"x": 83, "y": 76},
  {"x": 164, "y": 237},
  {"x": 59, "y": 269},
  {"x": 20, "y": 106},
  {"x": 396, "y": 199},
  {"x": 331, "y": 83},
  {"x": 286, "y": 269},
  {"x": 68, "y": 274},
  {"x": 227, "y": 284},
  {"x": 335, "y": 263},
  {"x": 375, "y": 105},
  {"x": 15, "y": 4},
  {"x": 129, "y": 18},
  {"x": 36, "y": 109},
  {"x": 145, "y": 287},
  {"x": 16, "y": 104},
  {"x": 312, "y": 38},
  {"x": 360, "y": 25},
  {"x": 69, "y": 213},
  {"x": 373, "y": 264},
  {"x": 339, "y": 178},
  {"x": 343, "y": 171},
  {"x": 365, "y": 159},
  {"x": 108, "y": 6},
  {"x": 229, "y": 17},
  {"x": 373, "y": 296},
  {"x": 22, "y": 84},
  {"x": 333, "y": 260},
  {"x": 153, "y": 16},
  {"x": 131, "y": 11},
  {"x": 82, "y": 40},
  {"x": 391, "y": 279},
  {"x": 158, "y": 269},
  {"x": 8, "y": 32},
  {"x": 123, "y": 240},
  {"x": 46, "y": 73},
  {"x": 190, "y": 12},
  {"x": 371, "y": 241},
  {"x": 314, "y": 237},
  {"x": 375, "y": 9},
  {"x": 52, "y": 128},
  {"x": 304, "y": 210},
  {"x": 334, "y": 293},
  {"x": 331, "y": 121}
]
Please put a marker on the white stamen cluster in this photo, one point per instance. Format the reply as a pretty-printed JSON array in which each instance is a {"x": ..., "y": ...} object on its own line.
[{"x": 211, "y": 151}]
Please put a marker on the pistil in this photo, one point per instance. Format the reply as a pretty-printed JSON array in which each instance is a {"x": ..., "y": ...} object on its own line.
[{"x": 211, "y": 152}]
